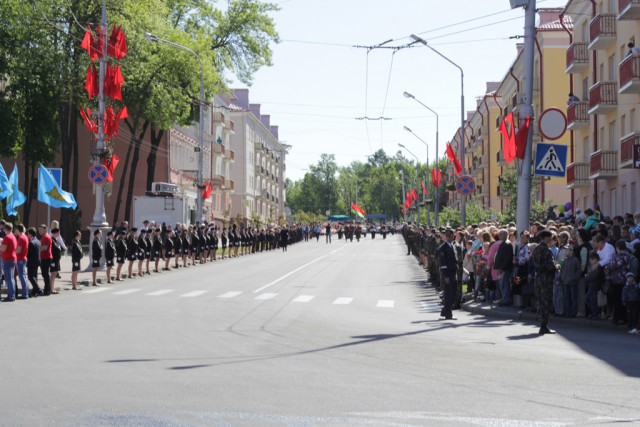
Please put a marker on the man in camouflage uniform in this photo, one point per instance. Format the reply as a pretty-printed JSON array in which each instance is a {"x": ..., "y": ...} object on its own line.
[
  {"x": 433, "y": 261},
  {"x": 545, "y": 273}
]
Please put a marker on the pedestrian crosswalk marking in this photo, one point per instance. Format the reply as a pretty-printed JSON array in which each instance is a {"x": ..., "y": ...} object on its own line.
[
  {"x": 550, "y": 161},
  {"x": 430, "y": 306},
  {"x": 126, "y": 292},
  {"x": 162, "y": 292},
  {"x": 343, "y": 300},
  {"x": 231, "y": 294},
  {"x": 303, "y": 298},
  {"x": 95, "y": 291},
  {"x": 265, "y": 296},
  {"x": 386, "y": 303},
  {"x": 193, "y": 294}
]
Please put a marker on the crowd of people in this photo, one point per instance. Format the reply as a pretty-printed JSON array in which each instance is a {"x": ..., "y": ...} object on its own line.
[
  {"x": 29, "y": 253},
  {"x": 583, "y": 265},
  {"x": 348, "y": 230}
]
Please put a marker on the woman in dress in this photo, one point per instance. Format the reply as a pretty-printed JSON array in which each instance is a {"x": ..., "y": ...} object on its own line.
[
  {"x": 109, "y": 254},
  {"x": 56, "y": 254},
  {"x": 121, "y": 252},
  {"x": 223, "y": 241},
  {"x": 76, "y": 256},
  {"x": 96, "y": 255}
]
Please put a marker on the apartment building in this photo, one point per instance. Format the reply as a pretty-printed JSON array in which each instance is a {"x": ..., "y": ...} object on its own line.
[
  {"x": 606, "y": 78},
  {"x": 259, "y": 174},
  {"x": 484, "y": 159}
]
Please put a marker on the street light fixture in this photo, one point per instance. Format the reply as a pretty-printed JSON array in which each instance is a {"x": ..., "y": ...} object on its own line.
[
  {"x": 199, "y": 180},
  {"x": 437, "y": 201},
  {"x": 463, "y": 207},
  {"x": 427, "y": 177}
]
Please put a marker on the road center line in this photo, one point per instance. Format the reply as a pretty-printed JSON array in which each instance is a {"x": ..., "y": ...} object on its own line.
[
  {"x": 339, "y": 249},
  {"x": 287, "y": 275}
]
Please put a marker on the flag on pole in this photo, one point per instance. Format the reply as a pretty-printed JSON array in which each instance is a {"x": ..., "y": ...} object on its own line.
[
  {"x": 414, "y": 194},
  {"x": 51, "y": 194},
  {"x": 424, "y": 189},
  {"x": 452, "y": 156},
  {"x": 16, "y": 197},
  {"x": 357, "y": 210},
  {"x": 111, "y": 166},
  {"x": 436, "y": 177},
  {"x": 521, "y": 138},
  {"x": 509, "y": 134},
  {"x": 5, "y": 188}
]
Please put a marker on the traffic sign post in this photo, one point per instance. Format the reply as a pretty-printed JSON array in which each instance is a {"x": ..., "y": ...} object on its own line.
[
  {"x": 465, "y": 185},
  {"x": 551, "y": 159},
  {"x": 552, "y": 123},
  {"x": 98, "y": 174}
]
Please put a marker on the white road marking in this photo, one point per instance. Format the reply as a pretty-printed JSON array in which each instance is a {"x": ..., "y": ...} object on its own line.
[
  {"x": 265, "y": 296},
  {"x": 95, "y": 291},
  {"x": 230, "y": 294},
  {"x": 386, "y": 303},
  {"x": 288, "y": 274},
  {"x": 126, "y": 291},
  {"x": 343, "y": 300},
  {"x": 430, "y": 306},
  {"x": 303, "y": 298},
  {"x": 162, "y": 292},
  {"x": 193, "y": 294},
  {"x": 339, "y": 249}
]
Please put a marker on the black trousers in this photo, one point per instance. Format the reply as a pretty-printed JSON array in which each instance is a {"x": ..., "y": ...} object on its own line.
[
  {"x": 449, "y": 295},
  {"x": 45, "y": 264},
  {"x": 32, "y": 276}
]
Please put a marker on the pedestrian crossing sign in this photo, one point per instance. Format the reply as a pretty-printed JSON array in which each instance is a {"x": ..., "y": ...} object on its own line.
[{"x": 551, "y": 159}]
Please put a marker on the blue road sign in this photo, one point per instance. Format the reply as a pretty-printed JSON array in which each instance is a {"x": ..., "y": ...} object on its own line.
[
  {"x": 57, "y": 175},
  {"x": 551, "y": 159},
  {"x": 98, "y": 174},
  {"x": 465, "y": 185}
]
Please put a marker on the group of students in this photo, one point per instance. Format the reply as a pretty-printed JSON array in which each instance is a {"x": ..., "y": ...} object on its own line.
[{"x": 153, "y": 247}]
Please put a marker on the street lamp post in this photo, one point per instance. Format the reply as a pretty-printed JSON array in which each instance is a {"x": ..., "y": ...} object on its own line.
[
  {"x": 408, "y": 151},
  {"x": 200, "y": 148},
  {"x": 404, "y": 215},
  {"x": 463, "y": 207},
  {"x": 436, "y": 208},
  {"x": 427, "y": 171}
]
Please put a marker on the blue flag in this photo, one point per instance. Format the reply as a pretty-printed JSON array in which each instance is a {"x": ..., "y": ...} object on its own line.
[
  {"x": 50, "y": 193},
  {"x": 16, "y": 197},
  {"x": 5, "y": 188}
]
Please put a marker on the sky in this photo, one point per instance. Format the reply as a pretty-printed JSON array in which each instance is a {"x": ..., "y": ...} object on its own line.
[{"x": 322, "y": 85}]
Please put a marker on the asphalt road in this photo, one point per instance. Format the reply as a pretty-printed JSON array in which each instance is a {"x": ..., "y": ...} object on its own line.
[{"x": 322, "y": 335}]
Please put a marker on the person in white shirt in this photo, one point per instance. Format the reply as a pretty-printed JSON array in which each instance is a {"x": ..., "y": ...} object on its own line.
[{"x": 605, "y": 250}]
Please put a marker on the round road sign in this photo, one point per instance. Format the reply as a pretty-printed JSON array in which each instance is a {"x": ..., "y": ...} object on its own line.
[
  {"x": 465, "y": 185},
  {"x": 552, "y": 123},
  {"x": 98, "y": 174}
]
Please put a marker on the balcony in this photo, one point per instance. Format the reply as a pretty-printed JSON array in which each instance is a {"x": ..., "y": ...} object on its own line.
[
  {"x": 603, "y": 97},
  {"x": 577, "y": 58},
  {"x": 218, "y": 148},
  {"x": 630, "y": 75},
  {"x": 604, "y": 164},
  {"x": 232, "y": 156},
  {"x": 628, "y": 147},
  {"x": 231, "y": 128},
  {"x": 218, "y": 181},
  {"x": 602, "y": 31},
  {"x": 628, "y": 10},
  {"x": 577, "y": 115},
  {"x": 577, "y": 175},
  {"x": 217, "y": 119},
  {"x": 479, "y": 136},
  {"x": 500, "y": 160}
]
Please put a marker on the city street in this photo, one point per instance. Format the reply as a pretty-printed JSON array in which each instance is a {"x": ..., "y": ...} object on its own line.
[{"x": 322, "y": 335}]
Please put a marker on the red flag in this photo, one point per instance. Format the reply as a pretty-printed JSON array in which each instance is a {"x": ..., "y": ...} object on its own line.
[
  {"x": 91, "y": 85},
  {"x": 88, "y": 43},
  {"x": 402, "y": 209},
  {"x": 409, "y": 197},
  {"x": 90, "y": 124},
  {"x": 111, "y": 166},
  {"x": 407, "y": 203},
  {"x": 206, "y": 191},
  {"x": 436, "y": 177},
  {"x": 113, "y": 82},
  {"x": 96, "y": 44},
  {"x": 452, "y": 156},
  {"x": 509, "y": 143},
  {"x": 424, "y": 189},
  {"x": 109, "y": 122},
  {"x": 414, "y": 194},
  {"x": 117, "y": 43},
  {"x": 358, "y": 209},
  {"x": 521, "y": 138}
]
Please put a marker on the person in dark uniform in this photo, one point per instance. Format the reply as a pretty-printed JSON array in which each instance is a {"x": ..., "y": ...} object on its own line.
[
  {"x": 156, "y": 248},
  {"x": 448, "y": 269},
  {"x": 168, "y": 249},
  {"x": 147, "y": 250},
  {"x": 142, "y": 250},
  {"x": 132, "y": 250},
  {"x": 215, "y": 243},
  {"x": 96, "y": 254},
  {"x": 178, "y": 246},
  {"x": 56, "y": 254},
  {"x": 545, "y": 272},
  {"x": 109, "y": 254},
  {"x": 234, "y": 240},
  {"x": 76, "y": 256},
  {"x": 121, "y": 252},
  {"x": 223, "y": 241},
  {"x": 33, "y": 262},
  {"x": 284, "y": 238}
]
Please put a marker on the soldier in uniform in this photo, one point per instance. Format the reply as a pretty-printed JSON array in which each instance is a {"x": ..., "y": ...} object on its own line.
[
  {"x": 448, "y": 269},
  {"x": 545, "y": 272},
  {"x": 121, "y": 252}
]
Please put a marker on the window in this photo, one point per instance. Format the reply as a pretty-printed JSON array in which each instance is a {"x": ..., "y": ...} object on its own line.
[
  {"x": 613, "y": 137},
  {"x": 585, "y": 89},
  {"x": 632, "y": 120},
  {"x": 623, "y": 200},
  {"x": 601, "y": 138},
  {"x": 613, "y": 70},
  {"x": 623, "y": 125},
  {"x": 586, "y": 149},
  {"x": 614, "y": 202}
]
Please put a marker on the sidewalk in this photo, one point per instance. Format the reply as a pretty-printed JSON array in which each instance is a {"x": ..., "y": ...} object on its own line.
[{"x": 518, "y": 314}]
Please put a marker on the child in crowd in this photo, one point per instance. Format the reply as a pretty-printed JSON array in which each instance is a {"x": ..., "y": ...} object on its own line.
[
  {"x": 570, "y": 273},
  {"x": 631, "y": 299},
  {"x": 594, "y": 280}
]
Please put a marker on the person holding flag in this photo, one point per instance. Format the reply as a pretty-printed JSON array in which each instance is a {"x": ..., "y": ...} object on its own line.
[
  {"x": 357, "y": 210},
  {"x": 14, "y": 197}
]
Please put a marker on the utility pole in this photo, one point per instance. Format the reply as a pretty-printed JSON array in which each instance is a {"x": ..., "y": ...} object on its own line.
[
  {"x": 523, "y": 208},
  {"x": 402, "y": 198}
]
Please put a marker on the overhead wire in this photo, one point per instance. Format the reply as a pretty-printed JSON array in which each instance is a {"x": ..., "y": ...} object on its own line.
[{"x": 386, "y": 95}]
